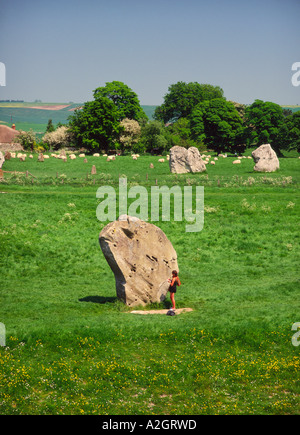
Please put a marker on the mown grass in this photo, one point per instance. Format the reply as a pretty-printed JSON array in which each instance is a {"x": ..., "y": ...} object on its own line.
[{"x": 73, "y": 348}]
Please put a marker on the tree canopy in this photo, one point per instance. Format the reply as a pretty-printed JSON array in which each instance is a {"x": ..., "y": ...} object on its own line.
[
  {"x": 289, "y": 134},
  {"x": 125, "y": 100},
  {"x": 218, "y": 124},
  {"x": 96, "y": 126},
  {"x": 265, "y": 120},
  {"x": 192, "y": 114},
  {"x": 181, "y": 99}
]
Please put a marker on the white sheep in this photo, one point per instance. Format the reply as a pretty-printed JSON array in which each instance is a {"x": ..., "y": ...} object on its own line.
[
  {"x": 161, "y": 160},
  {"x": 96, "y": 155},
  {"x": 212, "y": 163},
  {"x": 236, "y": 161}
]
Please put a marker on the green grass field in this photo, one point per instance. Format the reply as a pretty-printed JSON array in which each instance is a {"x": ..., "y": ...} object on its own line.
[{"x": 73, "y": 348}]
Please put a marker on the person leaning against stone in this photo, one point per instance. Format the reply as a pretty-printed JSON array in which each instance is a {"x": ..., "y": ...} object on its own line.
[{"x": 174, "y": 282}]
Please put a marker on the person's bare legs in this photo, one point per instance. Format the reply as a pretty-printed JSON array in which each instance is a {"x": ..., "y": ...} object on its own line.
[{"x": 172, "y": 300}]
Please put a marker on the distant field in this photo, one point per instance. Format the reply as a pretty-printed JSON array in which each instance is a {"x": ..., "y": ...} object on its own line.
[
  {"x": 292, "y": 108},
  {"x": 25, "y": 117}
]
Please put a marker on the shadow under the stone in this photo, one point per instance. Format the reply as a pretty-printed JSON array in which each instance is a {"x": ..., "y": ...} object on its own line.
[{"x": 98, "y": 299}]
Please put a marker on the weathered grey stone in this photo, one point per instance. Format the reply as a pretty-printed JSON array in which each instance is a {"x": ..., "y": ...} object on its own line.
[
  {"x": 2, "y": 159},
  {"x": 184, "y": 160},
  {"x": 265, "y": 158},
  {"x": 141, "y": 258}
]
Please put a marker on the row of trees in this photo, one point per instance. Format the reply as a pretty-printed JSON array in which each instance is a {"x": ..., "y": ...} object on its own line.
[{"x": 192, "y": 114}]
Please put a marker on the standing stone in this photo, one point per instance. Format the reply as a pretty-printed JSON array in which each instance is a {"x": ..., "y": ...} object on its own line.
[
  {"x": 62, "y": 154},
  {"x": 265, "y": 158},
  {"x": 93, "y": 171},
  {"x": 184, "y": 160},
  {"x": 7, "y": 155},
  {"x": 2, "y": 159},
  {"x": 41, "y": 157},
  {"x": 141, "y": 258}
]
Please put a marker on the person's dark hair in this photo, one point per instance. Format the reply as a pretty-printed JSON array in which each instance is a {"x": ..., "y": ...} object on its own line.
[{"x": 174, "y": 272}]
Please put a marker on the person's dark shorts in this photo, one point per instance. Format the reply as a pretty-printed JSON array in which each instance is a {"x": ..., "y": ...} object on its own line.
[{"x": 172, "y": 289}]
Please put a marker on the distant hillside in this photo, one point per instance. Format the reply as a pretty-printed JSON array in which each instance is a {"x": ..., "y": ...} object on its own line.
[
  {"x": 27, "y": 114},
  {"x": 149, "y": 110},
  {"x": 292, "y": 108}
]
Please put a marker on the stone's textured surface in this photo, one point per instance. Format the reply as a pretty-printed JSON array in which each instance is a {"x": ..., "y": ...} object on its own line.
[
  {"x": 265, "y": 158},
  {"x": 2, "y": 159},
  {"x": 141, "y": 257},
  {"x": 184, "y": 160}
]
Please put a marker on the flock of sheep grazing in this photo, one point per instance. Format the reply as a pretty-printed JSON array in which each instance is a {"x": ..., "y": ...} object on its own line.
[{"x": 207, "y": 159}]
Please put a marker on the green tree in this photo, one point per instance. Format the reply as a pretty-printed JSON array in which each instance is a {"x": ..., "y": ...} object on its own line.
[
  {"x": 96, "y": 126},
  {"x": 27, "y": 139},
  {"x": 181, "y": 99},
  {"x": 265, "y": 120},
  {"x": 289, "y": 133},
  {"x": 179, "y": 133},
  {"x": 50, "y": 127},
  {"x": 124, "y": 99},
  {"x": 218, "y": 123},
  {"x": 154, "y": 137}
]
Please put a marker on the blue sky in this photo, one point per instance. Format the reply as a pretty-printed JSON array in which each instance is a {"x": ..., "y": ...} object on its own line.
[{"x": 60, "y": 51}]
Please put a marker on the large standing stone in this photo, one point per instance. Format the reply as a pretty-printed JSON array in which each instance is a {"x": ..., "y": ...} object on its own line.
[
  {"x": 141, "y": 257},
  {"x": 2, "y": 159},
  {"x": 265, "y": 158},
  {"x": 184, "y": 160}
]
